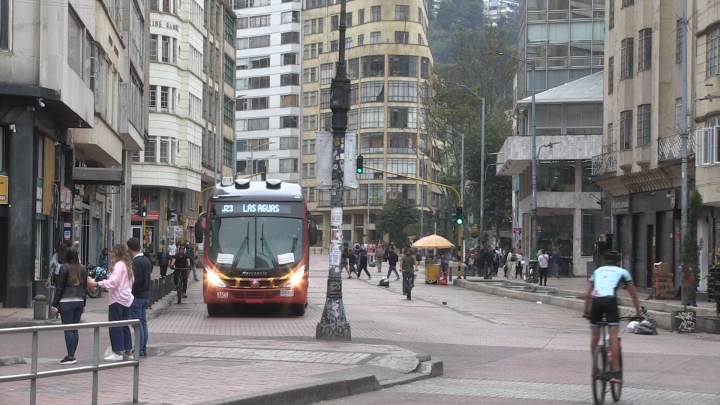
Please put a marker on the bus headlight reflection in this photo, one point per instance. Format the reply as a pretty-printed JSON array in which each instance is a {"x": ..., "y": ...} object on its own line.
[
  {"x": 296, "y": 278},
  {"x": 214, "y": 279}
]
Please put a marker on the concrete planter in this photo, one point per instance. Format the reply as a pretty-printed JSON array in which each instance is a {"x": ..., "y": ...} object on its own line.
[
  {"x": 709, "y": 325},
  {"x": 684, "y": 321}
]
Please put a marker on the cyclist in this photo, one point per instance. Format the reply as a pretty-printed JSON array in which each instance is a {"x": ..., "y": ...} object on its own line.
[
  {"x": 181, "y": 265},
  {"x": 604, "y": 283},
  {"x": 408, "y": 270}
]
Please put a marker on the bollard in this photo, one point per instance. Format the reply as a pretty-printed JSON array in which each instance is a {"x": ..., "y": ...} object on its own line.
[
  {"x": 153, "y": 291},
  {"x": 40, "y": 307}
]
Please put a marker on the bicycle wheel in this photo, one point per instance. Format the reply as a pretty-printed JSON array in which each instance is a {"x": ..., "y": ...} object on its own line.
[
  {"x": 599, "y": 368},
  {"x": 616, "y": 388}
]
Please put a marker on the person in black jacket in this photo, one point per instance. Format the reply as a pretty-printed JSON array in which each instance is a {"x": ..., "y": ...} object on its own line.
[
  {"x": 142, "y": 267},
  {"x": 69, "y": 299},
  {"x": 392, "y": 263},
  {"x": 363, "y": 259}
]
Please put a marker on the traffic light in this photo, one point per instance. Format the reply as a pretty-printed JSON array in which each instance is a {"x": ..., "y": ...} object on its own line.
[
  {"x": 459, "y": 216},
  {"x": 359, "y": 163},
  {"x": 474, "y": 232},
  {"x": 143, "y": 209}
]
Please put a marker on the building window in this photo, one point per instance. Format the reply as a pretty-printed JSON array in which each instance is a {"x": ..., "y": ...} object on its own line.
[
  {"x": 229, "y": 72},
  {"x": 258, "y": 62},
  {"x": 290, "y": 17},
  {"x": 626, "y": 126},
  {"x": 401, "y": 142},
  {"x": 373, "y": 92},
  {"x": 352, "y": 123},
  {"x": 241, "y": 145},
  {"x": 334, "y": 46},
  {"x": 313, "y": 26},
  {"x": 626, "y": 58},
  {"x": 5, "y": 24},
  {"x": 289, "y": 100},
  {"x": 626, "y": 3},
  {"x": 253, "y": 42},
  {"x": 290, "y": 79},
  {"x": 361, "y": 39},
  {"x": 353, "y": 94},
  {"x": 76, "y": 44},
  {"x": 308, "y": 147},
  {"x": 375, "y": 37},
  {"x": 372, "y": 117},
  {"x": 424, "y": 68},
  {"x": 153, "y": 47},
  {"x": 150, "y": 150},
  {"x": 420, "y": 40},
  {"x": 402, "y": 192},
  {"x": 289, "y": 121},
  {"x": 325, "y": 121},
  {"x": 164, "y": 99},
  {"x": 610, "y": 138},
  {"x": 254, "y": 124},
  {"x": 334, "y": 22},
  {"x": 373, "y": 66},
  {"x": 611, "y": 19},
  {"x": 153, "y": 98},
  {"x": 611, "y": 74},
  {"x": 227, "y": 153},
  {"x": 310, "y": 99},
  {"x": 590, "y": 229},
  {"x": 713, "y": 51},
  {"x": 290, "y": 59},
  {"x": 164, "y": 149},
  {"x": 288, "y": 165},
  {"x": 229, "y": 28},
  {"x": 361, "y": 16},
  {"x": 325, "y": 98},
  {"x": 372, "y": 142},
  {"x": 136, "y": 156},
  {"x": 376, "y": 13},
  {"x": 229, "y": 112},
  {"x": 310, "y": 123},
  {"x": 402, "y": 91},
  {"x": 261, "y": 82},
  {"x": 678, "y": 40},
  {"x": 326, "y": 73},
  {"x": 402, "y": 13},
  {"x": 348, "y": 43},
  {"x": 312, "y": 51},
  {"x": 290, "y": 38},
  {"x": 289, "y": 143},
  {"x": 402, "y": 117},
  {"x": 354, "y": 69},
  {"x": 402, "y": 37},
  {"x": 310, "y": 75},
  {"x": 257, "y": 103},
  {"x": 405, "y": 66},
  {"x": 643, "y": 125},
  {"x": 644, "y": 49},
  {"x": 308, "y": 170}
]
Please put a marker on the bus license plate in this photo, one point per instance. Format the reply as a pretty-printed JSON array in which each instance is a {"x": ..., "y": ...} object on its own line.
[
  {"x": 287, "y": 293},
  {"x": 222, "y": 294}
]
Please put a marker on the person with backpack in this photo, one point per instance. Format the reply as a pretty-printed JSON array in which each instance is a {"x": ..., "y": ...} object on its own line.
[{"x": 380, "y": 256}]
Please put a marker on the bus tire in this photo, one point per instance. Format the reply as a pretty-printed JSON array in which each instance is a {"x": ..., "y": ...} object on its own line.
[
  {"x": 214, "y": 309},
  {"x": 297, "y": 309}
]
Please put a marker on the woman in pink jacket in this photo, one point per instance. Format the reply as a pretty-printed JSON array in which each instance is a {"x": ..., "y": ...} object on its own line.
[{"x": 119, "y": 284}]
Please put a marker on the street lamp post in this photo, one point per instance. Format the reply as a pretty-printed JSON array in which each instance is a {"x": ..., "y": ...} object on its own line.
[{"x": 252, "y": 155}]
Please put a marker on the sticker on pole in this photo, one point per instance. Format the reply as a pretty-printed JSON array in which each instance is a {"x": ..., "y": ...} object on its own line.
[{"x": 335, "y": 257}]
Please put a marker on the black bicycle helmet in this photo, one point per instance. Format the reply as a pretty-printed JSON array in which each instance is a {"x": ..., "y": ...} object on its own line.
[{"x": 612, "y": 256}]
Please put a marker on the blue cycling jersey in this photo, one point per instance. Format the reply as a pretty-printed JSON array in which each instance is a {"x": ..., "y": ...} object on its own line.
[{"x": 606, "y": 279}]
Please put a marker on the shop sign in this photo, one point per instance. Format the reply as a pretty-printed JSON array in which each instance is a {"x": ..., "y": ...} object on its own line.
[
  {"x": 621, "y": 205},
  {"x": 3, "y": 189}
]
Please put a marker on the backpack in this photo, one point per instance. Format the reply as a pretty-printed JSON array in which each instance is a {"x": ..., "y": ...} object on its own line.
[{"x": 418, "y": 256}]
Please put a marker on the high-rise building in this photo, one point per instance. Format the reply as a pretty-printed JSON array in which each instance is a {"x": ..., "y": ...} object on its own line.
[
  {"x": 388, "y": 63},
  {"x": 494, "y": 9},
  {"x": 268, "y": 82},
  {"x": 191, "y": 98},
  {"x": 72, "y": 108}
]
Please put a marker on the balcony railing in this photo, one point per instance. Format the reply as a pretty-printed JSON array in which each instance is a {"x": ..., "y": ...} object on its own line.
[
  {"x": 669, "y": 147},
  {"x": 604, "y": 164}
]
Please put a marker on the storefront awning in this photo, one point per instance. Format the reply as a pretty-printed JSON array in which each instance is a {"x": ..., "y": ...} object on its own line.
[{"x": 98, "y": 175}]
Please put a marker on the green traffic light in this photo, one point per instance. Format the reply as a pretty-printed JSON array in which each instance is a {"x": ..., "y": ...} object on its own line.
[
  {"x": 359, "y": 165},
  {"x": 459, "y": 221}
]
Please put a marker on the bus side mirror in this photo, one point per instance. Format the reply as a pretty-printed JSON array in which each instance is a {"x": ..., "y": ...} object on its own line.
[
  {"x": 312, "y": 233},
  {"x": 199, "y": 231}
]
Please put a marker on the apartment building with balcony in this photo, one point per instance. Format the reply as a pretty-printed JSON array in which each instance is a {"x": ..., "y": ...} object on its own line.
[
  {"x": 639, "y": 171},
  {"x": 191, "y": 100},
  {"x": 268, "y": 81},
  {"x": 72, "y": 108},
  {"x": 388, "y": 63}
]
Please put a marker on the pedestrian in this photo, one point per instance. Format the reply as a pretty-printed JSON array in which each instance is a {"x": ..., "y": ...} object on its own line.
[
  {"x": 445, "y": 261},
  {"x": 543, "y": 263},
  {"x": 352, "y": 260},
  {"x": 181, "y": 264},
  {"x": 520, "y": 265},
  {"x": 119, "y": 284},
  {"x": 418, "y": 259},
  {"x": 497, "y": 259},
  {"x": 142, "y": 267},
  {"x": 488, "y": 261},
  {"x": 69, "y": 300},
  {"x": 345, "y": 261},
  {"x": 172, "y": 249},
  {"x": 363, "y": 262},
  {"x": 392, "y": 263},
  {"x": 190, "y": 253},
  {"x": 511, "y": 263},
  {"x": 470, "y": 263},
  {"x": 103, "y": 260},
  {"x": 557, "y": 262},
  {"x": 408, "y": 270},
  {"x": 56, "y": 261},
  {"x": 163, "y": 260},
  {"x": 379, "y": 256}
]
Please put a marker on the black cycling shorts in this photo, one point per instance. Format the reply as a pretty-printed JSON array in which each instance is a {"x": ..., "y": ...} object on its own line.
[{"x": 604, "y": 306}]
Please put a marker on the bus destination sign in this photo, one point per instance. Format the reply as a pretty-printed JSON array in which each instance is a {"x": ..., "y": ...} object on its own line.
[{"x": 254, "y": 208}]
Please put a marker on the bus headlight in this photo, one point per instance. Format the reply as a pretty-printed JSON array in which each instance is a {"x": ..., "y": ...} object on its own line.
[
  {"x": 296, "y": 278},
  {"x": 214, "y": 279}
]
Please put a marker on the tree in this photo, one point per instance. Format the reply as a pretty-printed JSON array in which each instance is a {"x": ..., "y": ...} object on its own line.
[
  {"x": 394, "y": 217},
  {"x": 691, "y": 247}
]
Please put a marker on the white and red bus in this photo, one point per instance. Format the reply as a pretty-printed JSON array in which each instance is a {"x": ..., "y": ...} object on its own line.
[{"x": 256, "y": 241}]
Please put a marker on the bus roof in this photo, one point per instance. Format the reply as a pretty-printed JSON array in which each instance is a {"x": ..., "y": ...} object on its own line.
[{"x": 258, "y": 191}]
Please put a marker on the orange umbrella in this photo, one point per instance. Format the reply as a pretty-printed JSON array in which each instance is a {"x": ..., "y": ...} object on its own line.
[{"x": 433, "y": 241}]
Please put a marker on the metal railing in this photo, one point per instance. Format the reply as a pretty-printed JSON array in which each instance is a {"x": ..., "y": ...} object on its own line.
[
  {"x": 604, "y": 164},
  {"x": 669, "y": 147},
  {"x": 34, "y": 374}
]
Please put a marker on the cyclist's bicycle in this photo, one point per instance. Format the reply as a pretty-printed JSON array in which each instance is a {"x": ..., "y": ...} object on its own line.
[
  {"x": 179, "y": 277},
  {"x": 408, "y": 283},
  {"x": 602, "y": 366}
]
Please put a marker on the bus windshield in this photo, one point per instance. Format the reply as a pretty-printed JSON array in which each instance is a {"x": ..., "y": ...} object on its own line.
[{"x": 239, "y": 244}]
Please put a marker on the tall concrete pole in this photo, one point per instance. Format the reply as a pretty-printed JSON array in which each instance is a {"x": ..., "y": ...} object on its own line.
[
  {"x": 684, "y": 139},
  {"x": 333, "y": 324},
  {"x": 534, "y": 230}
]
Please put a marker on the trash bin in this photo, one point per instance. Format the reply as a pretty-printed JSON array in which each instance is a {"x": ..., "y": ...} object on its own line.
[
  {"x": 533, "y": 270},
  {"x": 432, "y": 272}
]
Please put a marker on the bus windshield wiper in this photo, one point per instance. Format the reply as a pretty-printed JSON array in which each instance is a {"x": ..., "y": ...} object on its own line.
[
  {"x": 243, "y": 245},
  {"x": 266, "y": 244},
  {"x": 294, "y": 245}
]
